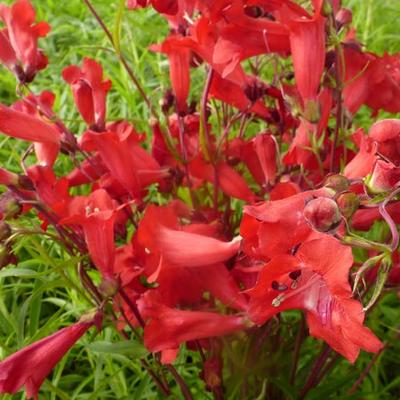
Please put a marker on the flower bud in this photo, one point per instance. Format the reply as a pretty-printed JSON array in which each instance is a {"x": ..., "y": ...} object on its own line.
[
  {"x": 348, "y": 203},
  {"x": 343, "y": 17},
  {"x": 384, "y": 177},
  {"x": 337, "y": 182},
  {"x": 9, "y": 206},
  {"x": 322, "y": 214}
]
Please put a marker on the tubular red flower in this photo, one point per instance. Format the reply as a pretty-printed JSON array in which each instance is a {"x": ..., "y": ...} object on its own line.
[
  {"x": 21, "y": 125},
  {"x": 89, "y": 91},
  {"x": 96, "y": 214},
  {"x": 31, "y": 365},
  {"x": 127, "y": 162},
  {"x": 20, "y": 38},
  {"x": 192, "y": 250},
  {"x": 179, "y": 68},
  {"x": 316, "y": 280},
  {"x": 307, "y": 43},
  {"x": 168, "y": 327}
]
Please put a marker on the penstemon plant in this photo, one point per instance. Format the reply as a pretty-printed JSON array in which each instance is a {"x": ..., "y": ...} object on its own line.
[{"x": 243, "y": 226}]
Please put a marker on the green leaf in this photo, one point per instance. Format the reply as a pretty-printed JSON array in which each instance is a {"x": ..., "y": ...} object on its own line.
[{"x": 131, "y": 348}]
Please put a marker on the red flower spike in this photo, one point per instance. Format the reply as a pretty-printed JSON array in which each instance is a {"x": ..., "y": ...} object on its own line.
[
  {"x": 20, "y": 40},
  {"x": 307, "y": 43},
  {"x": 96, "y": 214},
  {"x": 89, "y": 91},
  {"x": 169, "y": 327},
  {"x": 316, "y": 280},
  {"x": 31, "y": 365}
]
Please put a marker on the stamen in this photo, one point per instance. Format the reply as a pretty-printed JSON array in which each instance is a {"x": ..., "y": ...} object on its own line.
[
  {"x": 295, "y": 274},
  {"x": 280, "y": 287},
  {"x": 276, "y": 302}
]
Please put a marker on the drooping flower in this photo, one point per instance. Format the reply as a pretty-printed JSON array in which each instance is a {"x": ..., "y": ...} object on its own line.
[
  {"x": 19, "y": 41},
  {"x": 30, "y": 366}
]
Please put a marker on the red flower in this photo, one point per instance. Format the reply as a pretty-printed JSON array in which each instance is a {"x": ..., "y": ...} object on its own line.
[
  {"x": 233, "y": 93},
  {"x": 18, "y": 42},
  {"x": 230, "y": 181},
  {"x": 175, "y": 245},
  {"x": 96, "y": 214},
  {"x": 126, "y": 160},
  {"x": 384, "y": 178},
  {"x": 31, "y": 365},
  {"x": 315, "y": 280},
  {"x": 179, "y": 68},
  {"x": 169, "y": 327},
  {"x": 8, "y": 178},
  {"x": 387, "y": 135},
  {"x": 307, "y": 43},
  {"x": 89, "y": 91},
  {"x": 362, "y": 164},
  {"x": 22, "y": 125},
  {"x": 51, "y": 191},
  {"x": 276, "y": 227}
]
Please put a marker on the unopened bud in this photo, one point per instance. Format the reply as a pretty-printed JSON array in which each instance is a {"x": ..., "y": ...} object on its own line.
[
  {"x": 322, "y": 214},
  {"x": 312, "y": 112},
  {"x": 348, "y": 203},
  {"x": 337, "y": 182},
  {"x": 9, "y": 205},
  {"x": 109, "y": 287},
  {"x": 343, "y": 17}
]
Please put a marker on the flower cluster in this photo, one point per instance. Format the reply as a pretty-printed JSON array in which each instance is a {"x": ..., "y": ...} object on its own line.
[{"x": 271, "y": 135}]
